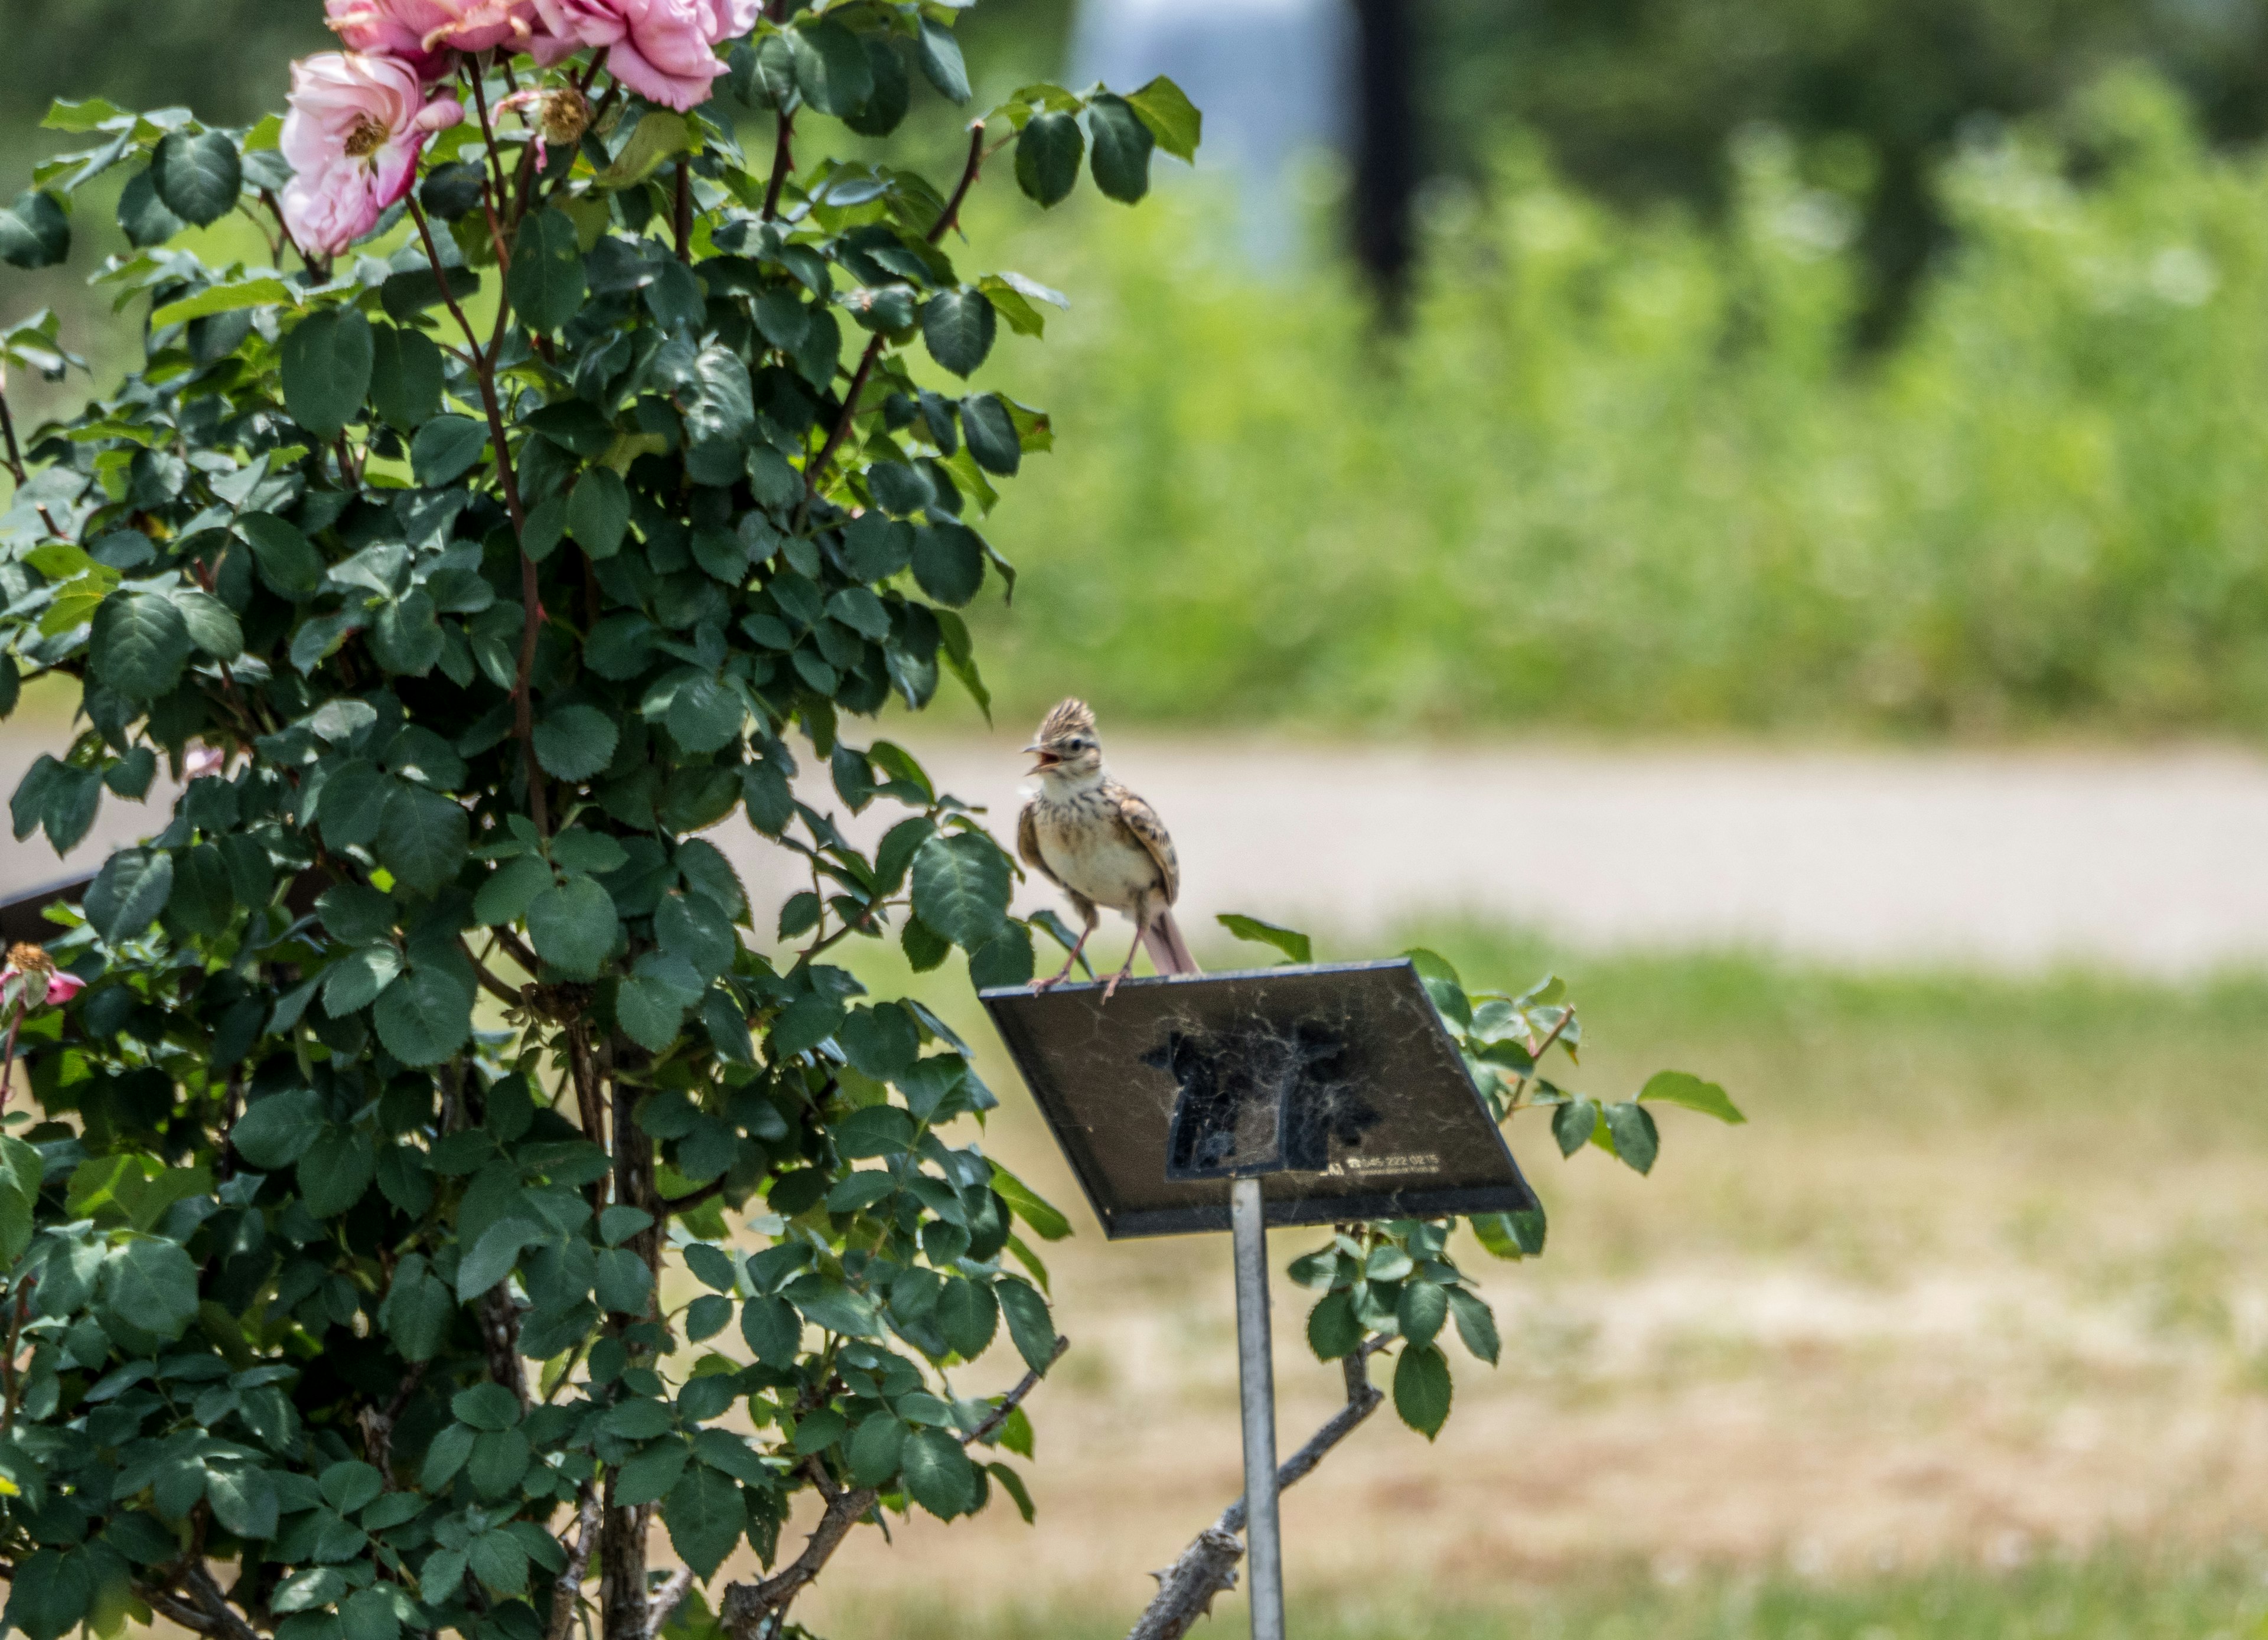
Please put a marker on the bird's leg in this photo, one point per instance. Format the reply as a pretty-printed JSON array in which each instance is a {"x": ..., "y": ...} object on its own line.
[
  {"x": 1070, "y": 961},
  {"x": 1141, "y": 921}
]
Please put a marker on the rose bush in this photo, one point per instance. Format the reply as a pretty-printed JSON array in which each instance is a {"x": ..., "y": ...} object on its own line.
[{"x": 377, "y": 1253}]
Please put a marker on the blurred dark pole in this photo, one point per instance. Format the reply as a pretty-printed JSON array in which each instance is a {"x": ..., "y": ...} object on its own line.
[{"x": 1386, "y": 150}]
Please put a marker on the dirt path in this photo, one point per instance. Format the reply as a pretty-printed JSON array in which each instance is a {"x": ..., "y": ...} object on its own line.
[{"x": 2151, "y": 861}]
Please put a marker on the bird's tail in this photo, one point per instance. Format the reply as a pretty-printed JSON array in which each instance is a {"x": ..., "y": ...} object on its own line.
[{"x": 1168, "y": 951}]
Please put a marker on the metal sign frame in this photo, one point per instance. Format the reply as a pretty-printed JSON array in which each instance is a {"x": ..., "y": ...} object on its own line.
[{"x": 1284, "y": 1093}]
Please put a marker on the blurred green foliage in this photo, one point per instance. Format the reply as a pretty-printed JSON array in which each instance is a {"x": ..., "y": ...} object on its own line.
[
  {"x": 1623, "y": 472},
  {"x": 1638, "y": 98}
]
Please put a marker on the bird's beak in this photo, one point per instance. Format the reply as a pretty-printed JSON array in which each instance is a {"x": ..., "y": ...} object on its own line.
[{"x": 1048, "y": 759}]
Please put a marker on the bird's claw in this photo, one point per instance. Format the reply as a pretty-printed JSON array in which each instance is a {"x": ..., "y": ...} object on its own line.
[{"x": 1051, "y": 983}]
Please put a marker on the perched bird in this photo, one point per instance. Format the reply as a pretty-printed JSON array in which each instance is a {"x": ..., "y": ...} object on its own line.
[{"x": 1100, "y": 844}]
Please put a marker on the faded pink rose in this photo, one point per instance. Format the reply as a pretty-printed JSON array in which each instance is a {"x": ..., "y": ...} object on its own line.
[
  {"x": 355, "y": 125},
  {"x": 424, "y": 32},
  {"x": 62, "y": 985},
  {"x": 661, "y": 49}
]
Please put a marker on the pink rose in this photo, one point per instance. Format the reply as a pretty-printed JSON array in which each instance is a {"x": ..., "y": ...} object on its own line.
[
  {"x": 355, "y": 125},
  {"x": 425, "y": 32},
  {"x": 62, "y": 986},
  {"x": 659, "y": 48}
]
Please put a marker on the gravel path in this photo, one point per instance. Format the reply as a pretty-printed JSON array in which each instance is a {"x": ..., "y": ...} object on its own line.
[{"x": 2149, "y": 861}]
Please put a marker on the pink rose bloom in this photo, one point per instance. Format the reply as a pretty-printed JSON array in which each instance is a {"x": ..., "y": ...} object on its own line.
[
  {"x": 62, "y": 986},
  {"x": 355, "y": 125},
  {"x": 659, "y": 48},
  {"x": 424, "y": 32}
]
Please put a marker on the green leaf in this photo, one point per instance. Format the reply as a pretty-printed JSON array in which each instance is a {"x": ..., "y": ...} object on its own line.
[
  {"x": 959, "y": 326},
  {"x": 1172, "y": 118},
  {"x": 1476, "y": 1323},
  {"x": 355, "y": 980},
  {"x": 938, "y": 1474},
  {"x": 1047, "y": 1222},
  {"x": 488, "y": 1406},
  {"x": 198, "y": 175},
  {"x": 575, "y": 742},
  {"x": 145, "y": 219},
  {"x": 1572, "y": 1124},
  {"x": 244, "y": 1500},
  {"x": 335, "y": 1172},
  {"x": 369, "y": 1615},
  {"x": 139, "y": 643},
  {"x": 546, "y": 284},
  {"x": 219, "y": 299},
  {"x": 149, "y": 1289},
  {"x": 948, "y": 561},
  {"x": 1047, "y": 153},
  {"x": 422, "y": 837},
  {"x": 1421, "y": 1388},
  {"x": 659, "y": 137},
  {"x": 1636, "y": 1140},
  {"x": 941, "y": 61},
  {"x": 1333, "y": 1330},
  {"x": 129, "y": 893},
  {"x": 1682, "y": 1087},
  {"x": 1123, "y": 142},
  {"x": 573, "y": 926},
  {"x": 287, "y": 560},
  {"x": 874, "y": 1449},
  {"x": 649, "y": 1475},
  {"x": 417, "y": 1313},
  {"x": 651, "y": 1003},
  {"x": 499, "y": 1561},
  {"x": 960, "y": 888},
  {"x": 599, "y": 512},
  {"x": 1420, "y": 1310},
  {"x": 507, "y": 896},
  {"x": 213, "y": 626},
  {"x": 719, "y": 404},
  {"x": 51, "y": 1592},
  {"x": 1030, "y": 1326},
  {"x": 991, "y": 433},
  {"x": 705, "y": 1516},
  {"x": 1511, "y": 1235},
  {"x": 35, "y": 233},
  {"x": 405, "y": 376},
  {"x": 275, "y": 1131},
  {"x": 327, "y": 359},
  {"x": 831, "y": 66},
  {"x": 446, "y": 447},
  {"x": 425, "y": 1016},
  {"x": 494, "y": 1255},
  {"x": 773, "y": 1330},
  {"x": 1295, "y": 946},
  {"x": 968, "y": 1315}
]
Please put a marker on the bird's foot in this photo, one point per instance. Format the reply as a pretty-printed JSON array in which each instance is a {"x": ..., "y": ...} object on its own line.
[
  {"x": 1051, "y": 981},
  {"x": 1110, "y": 985}
]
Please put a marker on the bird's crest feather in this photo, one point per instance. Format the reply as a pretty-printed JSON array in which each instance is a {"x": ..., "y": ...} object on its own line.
[{"x": 1070, "y": 716}]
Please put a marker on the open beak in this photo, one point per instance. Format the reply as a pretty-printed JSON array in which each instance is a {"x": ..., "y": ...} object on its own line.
[{"x": 1047, "y": 759}]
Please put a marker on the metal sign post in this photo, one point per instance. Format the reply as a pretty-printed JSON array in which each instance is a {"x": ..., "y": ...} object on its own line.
[
  {"x": 1337, "y": 1083},
  {"x": 1256, "y": 1383}
]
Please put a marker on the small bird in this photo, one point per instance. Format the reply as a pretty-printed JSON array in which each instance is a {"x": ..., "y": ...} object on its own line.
[{"x": 1100, "y": 844}]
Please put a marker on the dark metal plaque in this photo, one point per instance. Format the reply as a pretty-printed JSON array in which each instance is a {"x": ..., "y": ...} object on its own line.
[
  {"x": 1335, "y": 1081},
  {"x": 20, "y": 918}
]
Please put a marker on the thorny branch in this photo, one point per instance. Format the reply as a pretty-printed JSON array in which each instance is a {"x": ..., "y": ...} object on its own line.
[
  {"x": 1208, "y": 1566},
  {"x": 567, "y": 1590}
]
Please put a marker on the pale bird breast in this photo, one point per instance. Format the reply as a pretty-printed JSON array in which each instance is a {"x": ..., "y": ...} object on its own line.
[{"x": 1089, "y": 850}]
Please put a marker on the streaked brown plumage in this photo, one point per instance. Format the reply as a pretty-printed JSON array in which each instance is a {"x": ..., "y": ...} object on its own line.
[{"x": 1100, "y": 844}]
